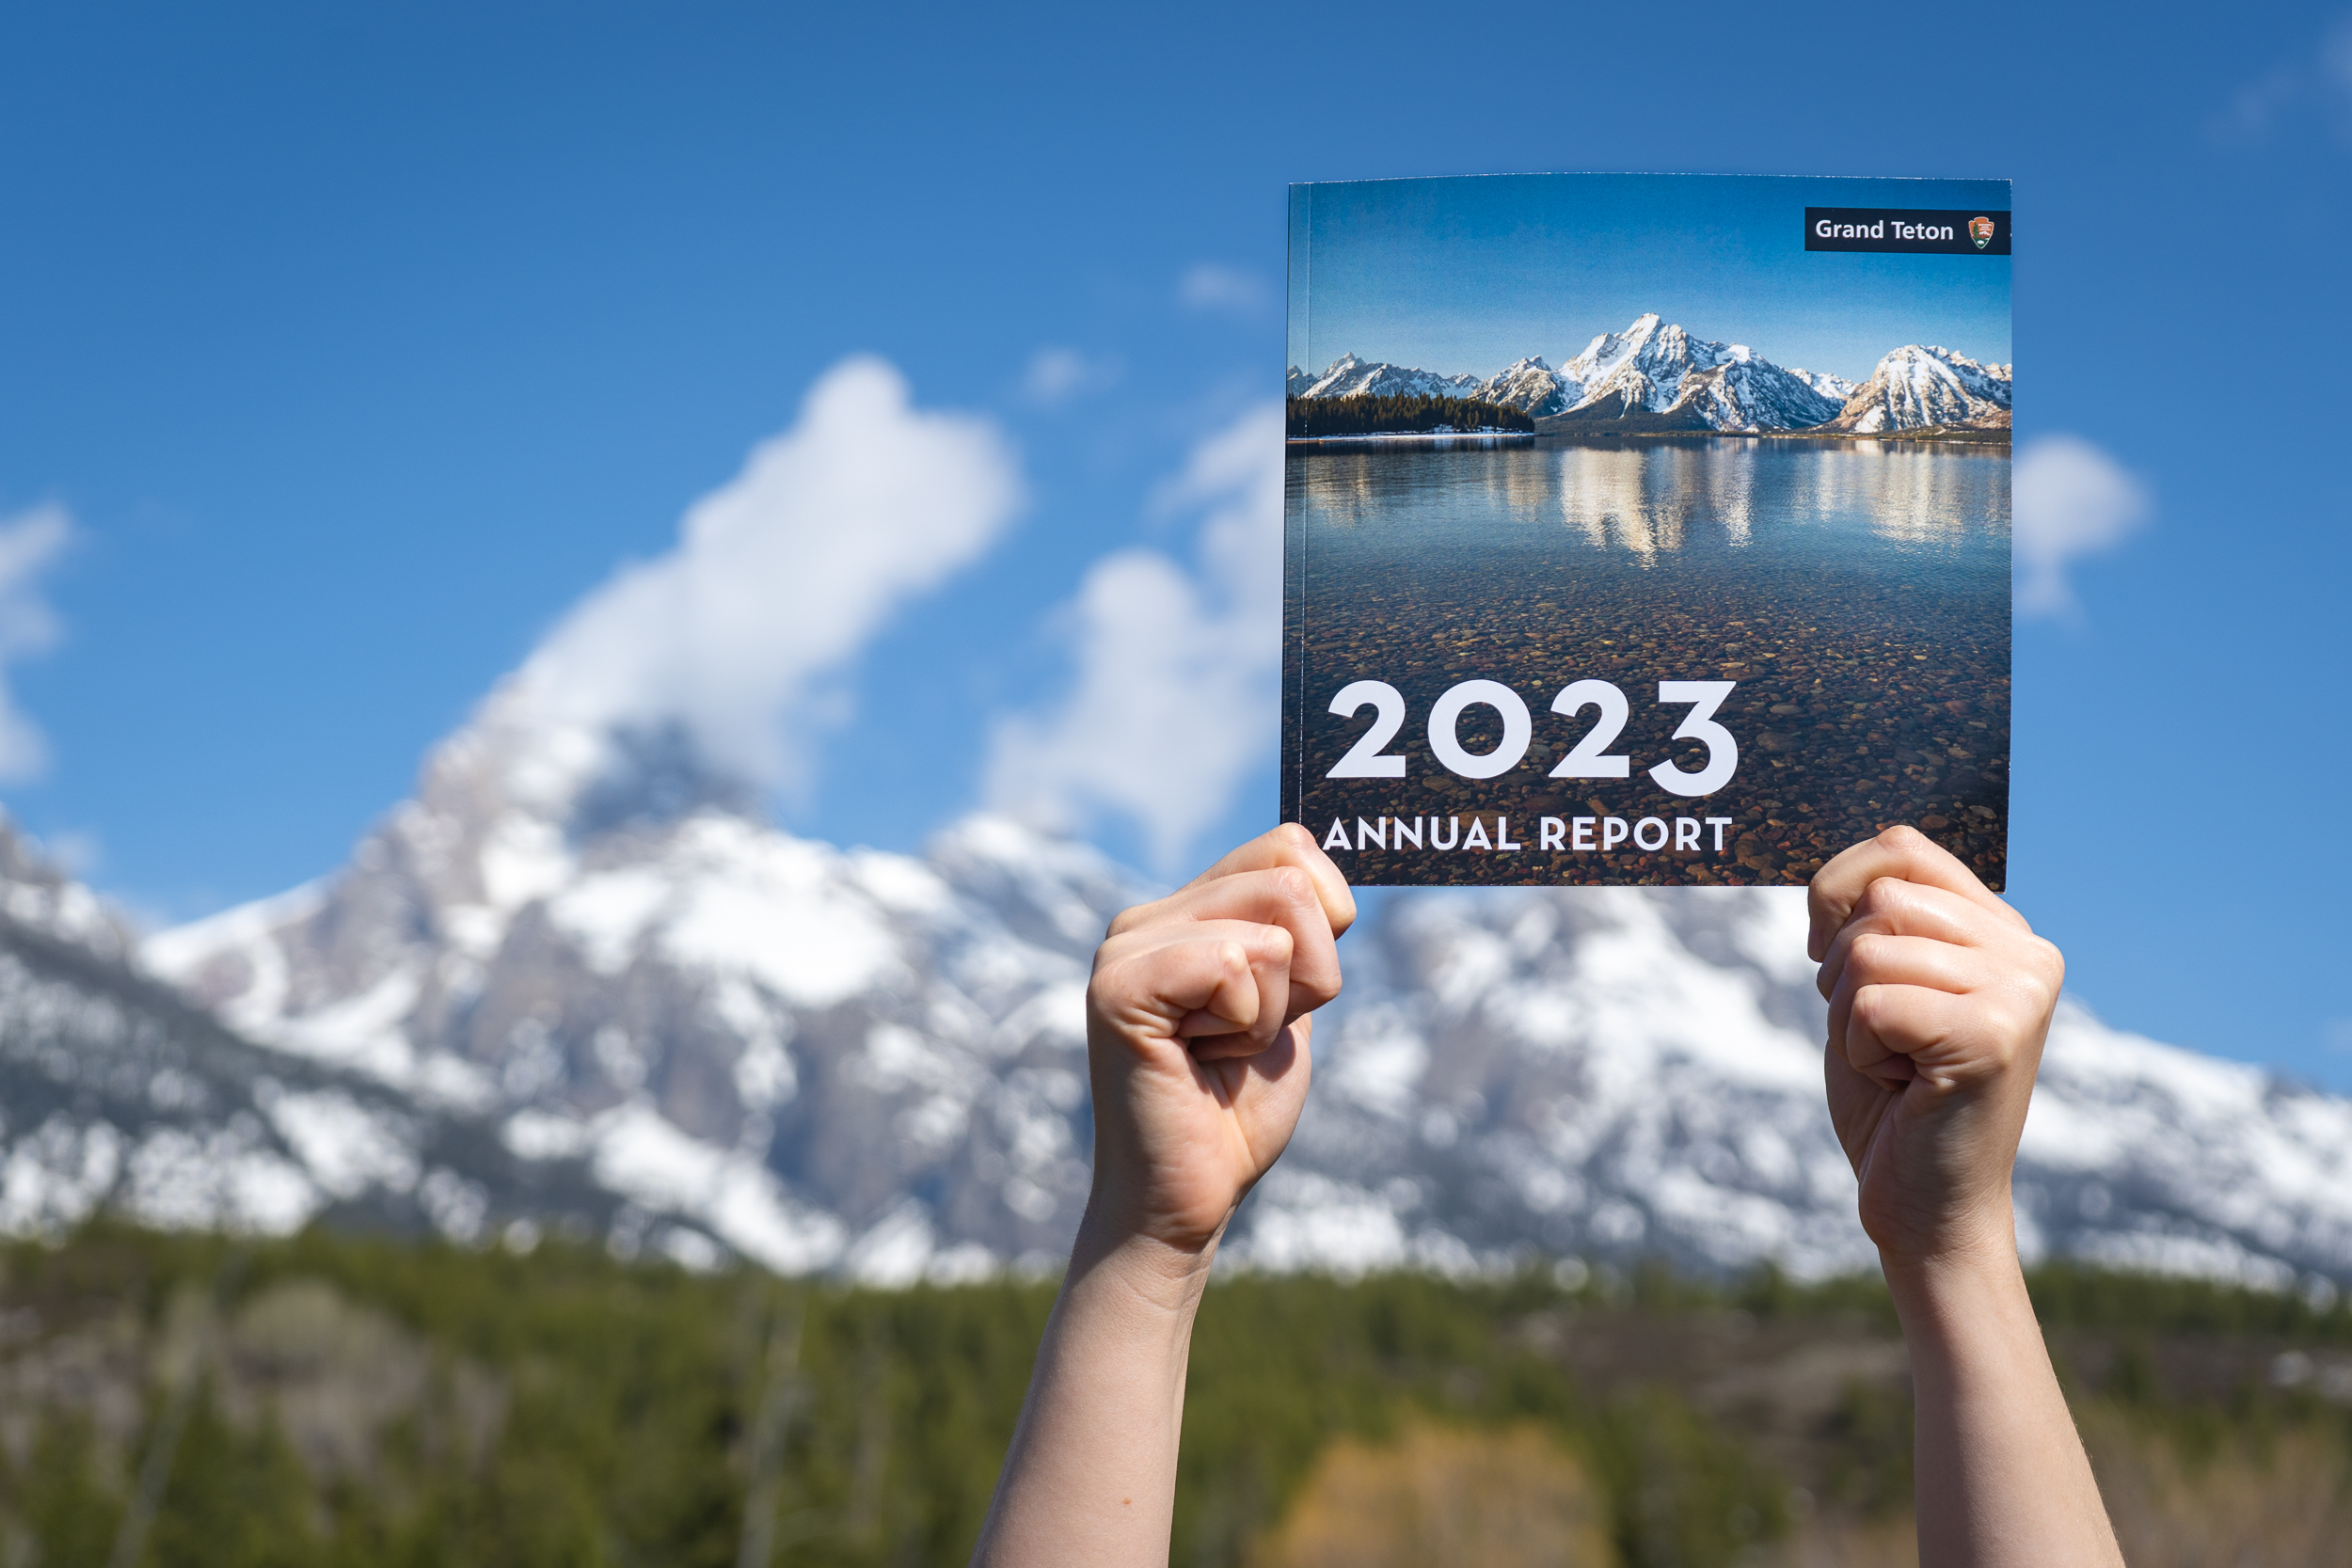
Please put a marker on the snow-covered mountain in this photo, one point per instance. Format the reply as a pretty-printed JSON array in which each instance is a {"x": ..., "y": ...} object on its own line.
[
  {"x": 813, "y": 1057},
  {"x": 1654, "y": 375},
  {"x": 1835, "y": 387},
  {"x": 1641, "y": 368},
  {"x": 1351, "y": 377},
  {"x": 1629, "y": 1070},
  {"x": 1748, "y": 394},
  {"x": 115, "y": 1093},
  {"x": 1531, "y": 387},
  {"x": 1919, "y": 384},
  {"x": 1657, "y": 372},
  {"x": 873, "y": 1063}
]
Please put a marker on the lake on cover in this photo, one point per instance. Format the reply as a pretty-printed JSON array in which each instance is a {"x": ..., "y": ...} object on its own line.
[{"x": 1858, "y": 591}]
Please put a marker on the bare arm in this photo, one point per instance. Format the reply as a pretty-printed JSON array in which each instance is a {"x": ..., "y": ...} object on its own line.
[
  {"x": 1197, "y": 1041},
  {"x": 1940, "y": 998}
]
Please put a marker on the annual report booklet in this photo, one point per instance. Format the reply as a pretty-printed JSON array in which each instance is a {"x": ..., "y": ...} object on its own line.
[{"x": 1646, "y": 529}]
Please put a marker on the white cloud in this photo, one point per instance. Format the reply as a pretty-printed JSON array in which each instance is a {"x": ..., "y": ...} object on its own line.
[
  {"x": 1178, "y": 691},
  {"x": 780, "y": 575},
  {"x": 29, "y": 543},
  {"x": 2272, "y": 101},
  {"x": 2256, "y": 108},
  {"x": 2068, "y": 500},
  {"x": 1056, "y": 375},
  {"x": 1211, "y": 286}
]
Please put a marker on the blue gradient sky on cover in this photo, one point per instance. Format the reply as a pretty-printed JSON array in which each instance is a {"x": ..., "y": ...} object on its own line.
[{"x": 1470, "y": 275}]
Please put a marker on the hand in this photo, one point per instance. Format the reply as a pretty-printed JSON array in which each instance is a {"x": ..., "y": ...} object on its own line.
[
  {"x": 1939, "y": 997},
  {"x": 1196, "y": 1035}
]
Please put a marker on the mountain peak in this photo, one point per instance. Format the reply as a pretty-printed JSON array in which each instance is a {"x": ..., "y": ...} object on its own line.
[
  {"x": 1349, "y": 377},
  {"x": 583, "y": 777},
  {"x": 1925, "y": 384},
  {"x": 874, "y": 1062},
  {"x": 36, "y": 896},
  {"x": 1658, "y": 374}
]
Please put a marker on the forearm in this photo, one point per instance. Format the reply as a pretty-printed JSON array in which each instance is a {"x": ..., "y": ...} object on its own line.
[
  {"x": 1090, "y": 1476},
  {"x": 2003, "y": 1482}
]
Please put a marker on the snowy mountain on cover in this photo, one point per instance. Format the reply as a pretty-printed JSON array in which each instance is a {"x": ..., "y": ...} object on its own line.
[
  {"x": 1656, "y": 376},
  {"x": 1835, "y": 387},
  {"x": 1531, "y": 387},
  {"x": 1656, "y": 368},
  {"x": 1351, "y": 377},
  {"x": 1919, "y": 385},
  {"x": 873, "y": 1063}
]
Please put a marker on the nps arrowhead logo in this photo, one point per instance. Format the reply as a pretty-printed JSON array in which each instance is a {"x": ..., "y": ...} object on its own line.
[{"x": 1980, "y": 230}]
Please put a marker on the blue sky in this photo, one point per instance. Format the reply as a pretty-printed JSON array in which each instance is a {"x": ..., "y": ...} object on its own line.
[
  {"x": 359, "y": 345},
  {"x": 1472, "y": 275}
]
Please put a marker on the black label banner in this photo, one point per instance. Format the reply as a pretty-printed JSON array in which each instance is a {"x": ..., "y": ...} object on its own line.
[{"x": 1914, "y": 229}]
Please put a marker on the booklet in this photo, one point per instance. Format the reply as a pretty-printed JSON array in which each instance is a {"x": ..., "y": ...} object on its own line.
[{"x": 1646, "y": 529}]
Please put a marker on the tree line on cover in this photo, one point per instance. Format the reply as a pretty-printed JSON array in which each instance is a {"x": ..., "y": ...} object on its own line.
[
  {"x": 1368, "y": 415},
  {"x": 371, "y": 1402}
]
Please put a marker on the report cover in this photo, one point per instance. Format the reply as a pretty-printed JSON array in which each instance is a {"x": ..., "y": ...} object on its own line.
[{"x": 1646, "y": 529}]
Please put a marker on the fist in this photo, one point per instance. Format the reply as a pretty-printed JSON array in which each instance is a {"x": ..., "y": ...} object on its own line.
[
  {"x": 1197, "y": 1034},
  {"x": 1940, "y": 998}
]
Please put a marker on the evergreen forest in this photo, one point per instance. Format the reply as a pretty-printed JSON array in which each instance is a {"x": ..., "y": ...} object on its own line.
[
  {"x": 171, "y": 1399},
  {"x": 1366, "y": 415}
]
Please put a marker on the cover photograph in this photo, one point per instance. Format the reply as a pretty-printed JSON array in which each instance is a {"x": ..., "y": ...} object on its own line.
[{"x": 1646, "y": 529}]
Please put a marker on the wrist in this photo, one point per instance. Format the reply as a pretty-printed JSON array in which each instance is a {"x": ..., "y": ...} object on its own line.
[
  {"x": 1980, "y": 1238},
  {"x": 1157, "y": 1275},
  {"x": 1963, "y": 1273}
]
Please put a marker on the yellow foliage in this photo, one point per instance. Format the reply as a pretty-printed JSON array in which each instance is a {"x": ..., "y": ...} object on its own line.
[
  {"x": 2283, "y": 1503},
  {"x": 1441, "y": 1497}
]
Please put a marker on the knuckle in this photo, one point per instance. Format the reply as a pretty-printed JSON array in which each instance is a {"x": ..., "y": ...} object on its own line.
[
  {"x": 1903, "y": 839},
  {"x": 1882, "y": 897},
  {"x": 1106, "y": 955},
  {"x": 1891, "y": 891},
  {"x": 1860, "y": 1013},
  {"x": 1292, "y": 884},
  {"x": 2001, "y": 1048},
  {"x": 1130, "y": 918}
]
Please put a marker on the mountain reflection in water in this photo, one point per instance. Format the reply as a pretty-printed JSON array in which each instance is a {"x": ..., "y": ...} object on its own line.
[{"x": 1858, "y": 591}]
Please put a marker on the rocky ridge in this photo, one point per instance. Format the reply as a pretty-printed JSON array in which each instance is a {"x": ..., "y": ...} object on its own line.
[
  {"x": 873, "y": 1063},
  {"x": 117, "y": 1094},
  {"x": 1655, "y": 375},
  {"x": 1916, "y": 387},
  {"x": 813, "y": 1057},
  {"x": 1351, "y": 377}
]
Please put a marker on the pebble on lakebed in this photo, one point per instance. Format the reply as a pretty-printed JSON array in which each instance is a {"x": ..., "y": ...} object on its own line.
[{"x": 1857, "y": 707}]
